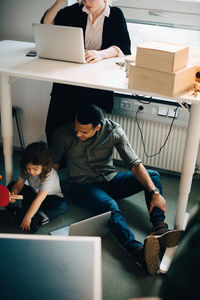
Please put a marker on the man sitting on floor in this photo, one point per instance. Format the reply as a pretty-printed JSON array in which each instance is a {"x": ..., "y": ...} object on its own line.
[{"x": 88, "y": 145}]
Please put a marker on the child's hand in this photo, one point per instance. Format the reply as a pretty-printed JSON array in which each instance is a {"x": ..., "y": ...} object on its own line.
[
  {"x": 26, "y": 222},
  {"x": 12, "y": 200}
]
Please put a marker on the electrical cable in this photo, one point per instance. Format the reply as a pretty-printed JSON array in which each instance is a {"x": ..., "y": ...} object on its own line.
[
  {"x": 170, "y": 129},
  {"x": 143, "y": 99}
]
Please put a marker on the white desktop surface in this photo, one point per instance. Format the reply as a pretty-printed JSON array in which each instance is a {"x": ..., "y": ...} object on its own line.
[
  {"x": 104, "y": 75},
  {"x": 45, "y": 267}
]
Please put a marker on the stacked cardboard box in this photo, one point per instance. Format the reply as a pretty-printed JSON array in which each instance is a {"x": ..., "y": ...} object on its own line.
[{"x": 161, "y": 68}]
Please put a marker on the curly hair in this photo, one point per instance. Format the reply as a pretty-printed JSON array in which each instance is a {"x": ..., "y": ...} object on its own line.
[
  {"x": 90, "y": 113},
  {"x": 37, "y": 154}
]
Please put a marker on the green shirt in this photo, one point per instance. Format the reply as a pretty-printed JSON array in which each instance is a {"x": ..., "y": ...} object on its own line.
[{"x": 92, "y": 160}]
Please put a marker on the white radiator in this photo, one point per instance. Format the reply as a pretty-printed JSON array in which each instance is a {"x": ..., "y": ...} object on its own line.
[{"x": 154, "y": 134}]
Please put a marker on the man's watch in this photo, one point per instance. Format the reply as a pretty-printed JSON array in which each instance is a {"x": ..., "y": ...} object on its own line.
[{"x": 155, "y": 191}]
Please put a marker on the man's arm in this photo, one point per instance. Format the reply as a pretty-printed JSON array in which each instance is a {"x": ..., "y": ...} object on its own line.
[
  {"x": 140, "y": 172},
  {"x": 52, "y": 12}
]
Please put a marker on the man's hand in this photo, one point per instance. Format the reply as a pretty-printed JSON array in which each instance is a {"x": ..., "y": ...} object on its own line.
[
  {"x": 26, "y": 222},
  {"x": 159, "y": 202}
]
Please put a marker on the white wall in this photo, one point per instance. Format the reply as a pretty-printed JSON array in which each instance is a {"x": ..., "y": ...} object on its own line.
[
  {"x": 32, "y": 97},
  {"x": 16, "y": 18}
]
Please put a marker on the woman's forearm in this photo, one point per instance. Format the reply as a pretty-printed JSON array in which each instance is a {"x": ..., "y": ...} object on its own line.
[
  {"x": 52, "y": 12},
  {"x": 110, "y": 52}
]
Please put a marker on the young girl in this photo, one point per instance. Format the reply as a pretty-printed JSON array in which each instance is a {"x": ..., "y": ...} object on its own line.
[{"x": 43, "y": 200}]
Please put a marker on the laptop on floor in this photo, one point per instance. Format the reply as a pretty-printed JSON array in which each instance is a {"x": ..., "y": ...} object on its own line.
[
  {"x": 95, "y": 226},
  {"x": 59, "y": 42}
]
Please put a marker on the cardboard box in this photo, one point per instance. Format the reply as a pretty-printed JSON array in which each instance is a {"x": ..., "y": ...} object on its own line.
[
  {"x": 168, "y": 84},
  {"x": 161, "y": 56},
  {"x": 129, "y": 59}
]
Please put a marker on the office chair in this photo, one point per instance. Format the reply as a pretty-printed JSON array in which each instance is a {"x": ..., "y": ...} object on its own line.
[
  {"x": 14, "y": 114},
  {"x": 20, "y": 135}
]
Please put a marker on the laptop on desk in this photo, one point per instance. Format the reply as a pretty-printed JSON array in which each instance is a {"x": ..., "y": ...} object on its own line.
[
  {"x": 95, "y": 226},
  {"x": 59, "y": 42}
]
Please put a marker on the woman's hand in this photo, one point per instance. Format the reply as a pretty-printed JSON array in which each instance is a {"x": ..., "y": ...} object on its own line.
[
  {"x": 93, "y": 56},
  {"x": 26, "y": 222}
]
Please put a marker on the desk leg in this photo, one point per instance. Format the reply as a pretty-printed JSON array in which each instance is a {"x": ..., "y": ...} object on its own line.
[
  {"x": 189, "y": 161},
  {"x": 169, "y": 252},
  {"x": 7, "y": 126}
]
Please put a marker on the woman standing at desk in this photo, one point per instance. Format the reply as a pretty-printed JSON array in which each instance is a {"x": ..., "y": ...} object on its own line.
[{"x": 105, "y": 35}]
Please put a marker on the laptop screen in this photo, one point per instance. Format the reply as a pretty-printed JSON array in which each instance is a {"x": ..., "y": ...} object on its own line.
[
  {"x": 94, "y": 226},
  {"x": 59, "y": 42}
]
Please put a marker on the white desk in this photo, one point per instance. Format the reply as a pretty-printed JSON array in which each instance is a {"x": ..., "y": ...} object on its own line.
[
  {"x": 102, "y": 75},
  {"x": 45, "y": 267}
]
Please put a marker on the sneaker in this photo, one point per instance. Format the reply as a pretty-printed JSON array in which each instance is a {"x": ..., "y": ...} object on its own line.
[
  {"x": 167, "y": 238},
  {"x": 43, "y": 218},
  {"x": 151, "y": 254},
  {"x": 34, "y": 226},
  {"x": 39, "y": 219},
  {"x": 138, "y": 255},
  {"x": 148, "y": 255},
  {"x": 159, "y": 228}
]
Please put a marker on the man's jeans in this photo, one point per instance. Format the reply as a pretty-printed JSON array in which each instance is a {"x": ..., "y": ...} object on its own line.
[{"x": 99, "y": 197}]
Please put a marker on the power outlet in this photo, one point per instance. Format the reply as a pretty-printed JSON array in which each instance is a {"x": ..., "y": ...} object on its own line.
[
  {"x": 126, "y": 105},
  {"x": 136, "y": 107}
]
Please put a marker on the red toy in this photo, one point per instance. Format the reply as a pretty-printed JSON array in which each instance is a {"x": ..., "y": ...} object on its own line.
[{"x": 5, "y": 196}]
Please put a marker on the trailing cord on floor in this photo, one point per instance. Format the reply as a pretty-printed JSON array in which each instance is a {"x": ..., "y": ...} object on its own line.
[{"x": 142, "y": 137}]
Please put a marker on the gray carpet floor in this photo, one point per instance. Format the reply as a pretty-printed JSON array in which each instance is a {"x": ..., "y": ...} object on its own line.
[{"x": 122, "y": 277}]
